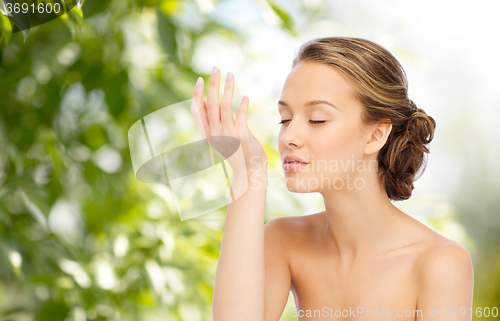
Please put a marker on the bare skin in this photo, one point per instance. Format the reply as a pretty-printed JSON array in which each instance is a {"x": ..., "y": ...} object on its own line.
[
  {"x": 239, "y": 281},
  {"x": 360, "y": 252},
  {"x": 386, "y": 279}
]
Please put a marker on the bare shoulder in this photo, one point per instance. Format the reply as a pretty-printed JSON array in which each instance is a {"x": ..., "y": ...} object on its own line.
[
  {"x": 444, "y": 276},
  {"x": 443, "y": 261},
  {"x": 436, "y": 250},
  {"x": 291, "y": 229},
  {"x": 435, "y": 259},
  {"x": 294, "y": 223},
  {"x": 431, "y": 247}
]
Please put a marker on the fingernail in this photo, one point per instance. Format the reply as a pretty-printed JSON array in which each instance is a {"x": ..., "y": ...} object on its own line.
[
  {"x": 198, "y": 82},
  {"x": 245, "y": 97},
  {"x": 229, "y": 76},
  {"x": 214, "y": 71}
]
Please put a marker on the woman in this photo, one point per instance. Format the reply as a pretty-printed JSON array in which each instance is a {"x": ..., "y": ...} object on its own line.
[{"x": 350, "y": 132}]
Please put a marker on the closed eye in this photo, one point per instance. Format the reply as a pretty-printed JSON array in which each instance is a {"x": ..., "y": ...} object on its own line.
[{"x": 311, "y": 121}]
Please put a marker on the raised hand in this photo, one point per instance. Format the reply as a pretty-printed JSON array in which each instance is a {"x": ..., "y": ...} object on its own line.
[{"x": 223, "y": 132}]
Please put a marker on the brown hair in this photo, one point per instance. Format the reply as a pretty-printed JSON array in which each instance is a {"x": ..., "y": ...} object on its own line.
[{"x": 379, "y": 83}]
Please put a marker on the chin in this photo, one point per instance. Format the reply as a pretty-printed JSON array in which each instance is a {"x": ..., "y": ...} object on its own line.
[{"x": 296, "y": 184}]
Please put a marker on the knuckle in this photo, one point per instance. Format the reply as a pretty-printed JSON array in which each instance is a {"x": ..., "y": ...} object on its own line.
[
  {"x": 213, "y": 81},
  {"x": 210, "y": 108}
]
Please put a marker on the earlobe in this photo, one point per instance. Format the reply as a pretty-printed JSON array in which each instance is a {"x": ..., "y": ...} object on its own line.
[{"x": 378, "y": 138}]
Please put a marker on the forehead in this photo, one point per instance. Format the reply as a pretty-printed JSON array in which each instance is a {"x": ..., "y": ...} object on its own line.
[{"x": 312, "y": 80}]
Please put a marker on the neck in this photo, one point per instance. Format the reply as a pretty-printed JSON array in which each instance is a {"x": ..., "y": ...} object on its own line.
[{"x": 360, "y": 222}]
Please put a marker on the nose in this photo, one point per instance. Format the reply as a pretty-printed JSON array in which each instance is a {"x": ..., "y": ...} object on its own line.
[{"x": 292, "y": 136}]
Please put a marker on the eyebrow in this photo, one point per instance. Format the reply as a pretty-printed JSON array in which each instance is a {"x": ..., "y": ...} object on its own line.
[{"x": 310, "y": 103}]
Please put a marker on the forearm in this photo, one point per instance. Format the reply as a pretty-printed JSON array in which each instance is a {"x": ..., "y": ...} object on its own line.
[{"x": 239, "y": 280}]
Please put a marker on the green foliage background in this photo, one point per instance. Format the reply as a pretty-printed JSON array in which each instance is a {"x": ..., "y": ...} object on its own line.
[
  {"x": 68, "y": 90},
  {"x": 45, "y": 158}
]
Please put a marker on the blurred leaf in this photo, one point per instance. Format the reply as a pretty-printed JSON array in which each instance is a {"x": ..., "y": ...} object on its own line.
[
  {"x": 25, "y": 33},
  {"x": 6, "y": 29},
  {"x": 70, "y": 23},
  {"x": 115, "y": 90},
  {"x": 53, "y": 311},
  {"x": 93, "y": 7},
  {"x": 166, "y": 31},
  {"x": 170, "y": 7},
  {"x": 285, "y": 17},
  {"x": 77, "y": 15}
]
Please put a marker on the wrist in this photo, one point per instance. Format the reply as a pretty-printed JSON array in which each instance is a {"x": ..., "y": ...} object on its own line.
[
  {"x": 250, "y": 178},
  {"x": 248, "y": 169},
  {"x": 250, "y": 173}
]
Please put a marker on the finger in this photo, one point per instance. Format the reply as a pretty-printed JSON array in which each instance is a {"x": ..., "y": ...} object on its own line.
[
  {"x": 199, "y": 119},
  {"x": 226, "y": 111},
  {"x": 241, "y": 114},
  {"x": 213, "y": 102},
  {"x": 198, "y": 108}
]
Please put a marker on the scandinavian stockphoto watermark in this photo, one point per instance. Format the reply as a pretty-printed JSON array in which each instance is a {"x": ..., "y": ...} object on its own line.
[
  {"x": 322, "y": 174},
  {"x": 167, "y": 147},
  {"x": 170, "y": 147}
]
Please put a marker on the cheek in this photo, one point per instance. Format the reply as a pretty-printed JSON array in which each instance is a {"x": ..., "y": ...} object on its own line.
[
  {"x": 339, "y": 141},
  {"x": 280, "y": 143}
]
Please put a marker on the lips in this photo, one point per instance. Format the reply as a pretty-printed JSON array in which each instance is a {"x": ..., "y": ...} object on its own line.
[{"x": 294, "y": 159}]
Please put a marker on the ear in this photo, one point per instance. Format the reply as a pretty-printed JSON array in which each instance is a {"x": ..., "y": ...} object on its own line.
[{"x": 378, "y": 136}]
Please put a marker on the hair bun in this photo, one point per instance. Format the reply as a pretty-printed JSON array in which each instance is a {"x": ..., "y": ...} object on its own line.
[
  {"x": 405, "y": 154},
  {"x": 420, "y": 127}
]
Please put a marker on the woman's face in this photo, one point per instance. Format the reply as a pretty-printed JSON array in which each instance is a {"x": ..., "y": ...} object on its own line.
[{"x": 333, "y": 148}]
